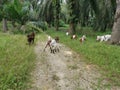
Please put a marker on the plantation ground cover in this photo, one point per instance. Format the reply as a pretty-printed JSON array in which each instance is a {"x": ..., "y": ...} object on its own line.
[
  {"x": 102, "y": 54},
  {"x": 16, "y": 61}
]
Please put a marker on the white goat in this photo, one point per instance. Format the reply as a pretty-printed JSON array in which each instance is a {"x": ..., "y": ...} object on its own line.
[
  {"x": 103, "y": 38},
  {"x": 107, "y": 37},
  {"x": 67, "y": 33},
  {"x": 53, "y": 44}
]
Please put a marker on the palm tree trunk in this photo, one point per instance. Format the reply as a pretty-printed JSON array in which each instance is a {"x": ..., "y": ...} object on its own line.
[
  {"x": 57, "y": 25},
  {"x": 5, "y": 28},
  {"x": 57, "y": 6},
  {"x": 57, "y": 21},
  {"x": 72, "y": 19},
  {"x": 115, "y": 38},
  {"x": 72, "y": 29}
]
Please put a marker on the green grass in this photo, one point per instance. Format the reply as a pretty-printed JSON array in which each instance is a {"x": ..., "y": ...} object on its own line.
[
  {"x": 106, "y": 56},
  {"x": 16, "y": 61}
]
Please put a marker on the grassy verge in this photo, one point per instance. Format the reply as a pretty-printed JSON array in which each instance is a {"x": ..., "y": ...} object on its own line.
[
  {"x": 16, "y": 61},
  {"x": 106, "y": 56}
]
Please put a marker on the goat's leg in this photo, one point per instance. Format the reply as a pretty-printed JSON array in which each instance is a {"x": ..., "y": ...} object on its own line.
[
  {"x": 29, "y": 41},
  {"x": 32, "y": 40},
  {"x": 58, "y": 50},
  {"x": 53, "y": 51}
]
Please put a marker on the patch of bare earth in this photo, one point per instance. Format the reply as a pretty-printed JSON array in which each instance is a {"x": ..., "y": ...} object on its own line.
[{"x": 65, "y": 70}]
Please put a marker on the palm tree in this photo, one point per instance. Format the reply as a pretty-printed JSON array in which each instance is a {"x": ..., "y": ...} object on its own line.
[
  {"x": 47, "y": 12},
  {"x": 50, "y": 11},
  {"x": 81, "y": 11},
  {"x": 17, "y": 11},
  {"x": 57, "y": 13},
  {"x": 73, "y": 7},
  {"x": 104, "y": 13},
  {"x": 96, "y": 13},
  {"x": 115, "y": 39},
  {"x": 35, "y": 7},
  {"x": 4, "y": 17}
]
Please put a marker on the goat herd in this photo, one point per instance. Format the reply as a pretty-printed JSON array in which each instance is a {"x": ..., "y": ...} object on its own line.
[
  {"x": 54, "y": 45},
  {"x": 99, "y": 38}
]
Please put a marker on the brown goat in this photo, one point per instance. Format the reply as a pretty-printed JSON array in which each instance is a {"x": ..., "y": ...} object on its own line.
[{"x": 30, "y": 38}]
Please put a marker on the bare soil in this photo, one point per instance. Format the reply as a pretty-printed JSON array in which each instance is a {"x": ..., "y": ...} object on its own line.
[{"x": 65, "y": 70}]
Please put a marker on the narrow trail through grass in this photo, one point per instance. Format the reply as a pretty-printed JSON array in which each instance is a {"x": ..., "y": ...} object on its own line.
[{"x": 65, "y": 70}]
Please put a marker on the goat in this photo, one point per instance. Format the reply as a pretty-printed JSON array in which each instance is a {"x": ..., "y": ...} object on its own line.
[
  {"x": 103, "y": 38},
  {"x": 67, "y": 33},
  {"x": 53, "y": 44},
  {"x": 30, "y": 38},
  {"x": 107, "y": 37},
  {"x": 74, "y": 37},
  {"x": 82, "y": 39}
]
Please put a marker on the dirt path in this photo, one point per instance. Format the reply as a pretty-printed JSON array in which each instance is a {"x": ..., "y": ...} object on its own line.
[{"x": 65, "y": 71}]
